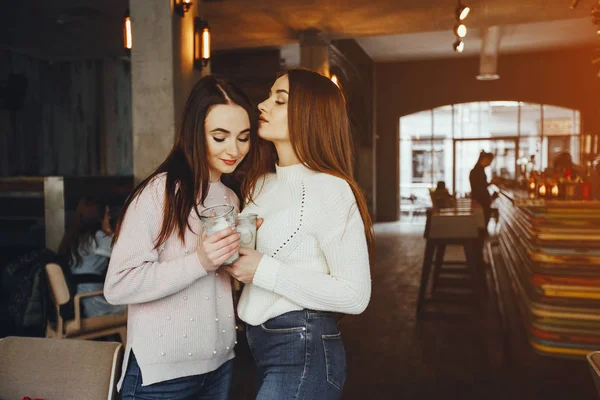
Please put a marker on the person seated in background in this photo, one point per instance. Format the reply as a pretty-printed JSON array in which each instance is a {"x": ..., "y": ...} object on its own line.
[
  {"x": 440, "y": 197},
  {"x": 563, "y": 162},
  {"x": 86, "y": 248}
]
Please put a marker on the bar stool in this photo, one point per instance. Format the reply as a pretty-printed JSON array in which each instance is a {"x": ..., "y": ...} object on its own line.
[{"x": 453, "y": 227}]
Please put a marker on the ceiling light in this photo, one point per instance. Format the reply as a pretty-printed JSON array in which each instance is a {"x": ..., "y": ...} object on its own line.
[
  {"x": 487, "y": 77},
  {"x": 460, "y": 30},
  {"x": 574, "y": 4},
  {"x": 462, "y": 12},
  {"x": 459, "y": 46}
]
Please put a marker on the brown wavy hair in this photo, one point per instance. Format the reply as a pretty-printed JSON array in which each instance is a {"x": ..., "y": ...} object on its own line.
[
  {"x": 319, "y": 130},
  {"x": 186, "y": 165},
  {"x": 84, "y": 224}
]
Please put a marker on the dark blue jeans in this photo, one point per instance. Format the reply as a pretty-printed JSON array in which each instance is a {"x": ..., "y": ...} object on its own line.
[
  {"x": 299, "y": 355},
  {"x": 215, "y": 385}
]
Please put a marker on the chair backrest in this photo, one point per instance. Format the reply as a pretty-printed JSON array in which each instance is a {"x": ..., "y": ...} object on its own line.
[
  {"x": 453, "y": 224},
  {"x": 58, "y": 368},
  {"x": 58, "y": 284},
  {"x": 594, "y": 363}
]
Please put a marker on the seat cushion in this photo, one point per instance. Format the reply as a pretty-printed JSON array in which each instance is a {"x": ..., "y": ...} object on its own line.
[{"x": 58, "y": 368}]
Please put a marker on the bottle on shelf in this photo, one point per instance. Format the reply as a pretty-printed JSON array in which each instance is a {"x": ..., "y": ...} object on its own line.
[
  {"x": 585, "y": 187},
  {"x": 532, "y": 185},
  {"x": 554, "y": 191},
  {"x": 570, "y": 186},
  {"x": 542, "y": 188}
]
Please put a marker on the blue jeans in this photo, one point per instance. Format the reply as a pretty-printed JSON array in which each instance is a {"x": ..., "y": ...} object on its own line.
[
  {"x": 299, "y": 356},
  {"x": 215, "y": 385}
]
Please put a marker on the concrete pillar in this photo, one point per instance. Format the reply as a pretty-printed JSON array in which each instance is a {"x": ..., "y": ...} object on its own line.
[
  {"x": 314, "y": 52},
  {"x": 162, "y": 73}
]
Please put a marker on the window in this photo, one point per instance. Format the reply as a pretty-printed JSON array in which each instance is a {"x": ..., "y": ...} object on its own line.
[{"x": 521, "y": 136}]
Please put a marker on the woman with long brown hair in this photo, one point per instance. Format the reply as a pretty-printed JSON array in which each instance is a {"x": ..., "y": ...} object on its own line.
[
  {"x": 85, "y": 249},
  {"x": 181, "y": 325},
  {"x": 312, "y": 253}
]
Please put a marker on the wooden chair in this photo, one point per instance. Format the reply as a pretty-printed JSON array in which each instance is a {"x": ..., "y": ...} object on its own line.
[
  {"x": 79, "y": 327},
  {"x": 59, "y": 369}
]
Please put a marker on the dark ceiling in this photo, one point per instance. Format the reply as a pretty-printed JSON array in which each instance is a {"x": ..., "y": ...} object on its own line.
[{"x": 63, "y": 29}]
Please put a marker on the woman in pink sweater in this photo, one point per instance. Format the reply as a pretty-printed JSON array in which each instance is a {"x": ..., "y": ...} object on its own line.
[{"x": 181, "y": 324}]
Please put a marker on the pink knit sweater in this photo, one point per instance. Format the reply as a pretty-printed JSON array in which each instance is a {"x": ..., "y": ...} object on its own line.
[{"x": 180, "y": 318}]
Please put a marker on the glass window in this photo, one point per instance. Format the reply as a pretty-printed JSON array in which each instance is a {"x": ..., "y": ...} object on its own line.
[
  {"x": 560, "y": 121},
  {"x": 423, "y": 164},
  {"x": 529, "y": 154},
  {"x": 417, "y": 126},
  {"x": 444, "y": 143},
  {"x": 531, "y": 115},
  {"x": 468, "y": 120},
  {"x": 442, "y": 122},
  {"x": 503, "y": 118}
]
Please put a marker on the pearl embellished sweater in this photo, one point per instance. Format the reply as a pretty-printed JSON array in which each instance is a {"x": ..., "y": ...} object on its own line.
[
  {"x": 314, "y": 248},
  {"x": 180, "y": 318}
]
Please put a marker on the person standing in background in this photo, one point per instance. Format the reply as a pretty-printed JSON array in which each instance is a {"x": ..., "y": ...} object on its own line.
[{"x": 479, "y": 185}]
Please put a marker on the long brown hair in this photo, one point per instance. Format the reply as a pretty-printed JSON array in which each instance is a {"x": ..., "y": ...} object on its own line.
[
  {"x": 186, "y": 165},
  {"x": 86, "y": 221},
  {"x": 319, "y": 130}
]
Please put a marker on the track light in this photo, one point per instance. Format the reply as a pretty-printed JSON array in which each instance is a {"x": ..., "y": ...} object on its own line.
[
  {"x": 459, "y": 46},
  {"x": 462, "y": 12},
  {"x": 460, "y": 30}
]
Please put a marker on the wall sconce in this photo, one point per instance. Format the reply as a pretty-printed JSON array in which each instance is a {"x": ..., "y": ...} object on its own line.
[
  {"x": 335, "y": 80},
  {"x": 182, "y": 6},
  {"x": 201, "y": 43},
  {"x": 337, "y": 75},
  {"x": 127, "y": 38}
]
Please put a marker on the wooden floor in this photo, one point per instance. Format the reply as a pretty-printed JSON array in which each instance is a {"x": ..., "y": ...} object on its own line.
[{"x": 393, "y": 355}]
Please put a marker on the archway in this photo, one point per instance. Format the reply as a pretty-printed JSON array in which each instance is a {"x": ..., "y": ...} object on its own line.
[{"x": 443, "y": 144}]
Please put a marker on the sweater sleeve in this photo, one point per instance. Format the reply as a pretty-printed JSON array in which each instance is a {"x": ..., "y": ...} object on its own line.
[
  {"x": 134, "y": 274},
  {"x": 347, "y": 286}
]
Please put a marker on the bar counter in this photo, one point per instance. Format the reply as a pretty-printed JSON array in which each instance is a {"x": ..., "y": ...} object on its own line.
[{"x": 551, "y": 250}]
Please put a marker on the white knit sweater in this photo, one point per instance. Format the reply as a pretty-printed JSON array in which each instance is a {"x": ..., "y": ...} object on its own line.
[
  {"x": 314, "y": 247},
  {"x": 180, "y": 318}
]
